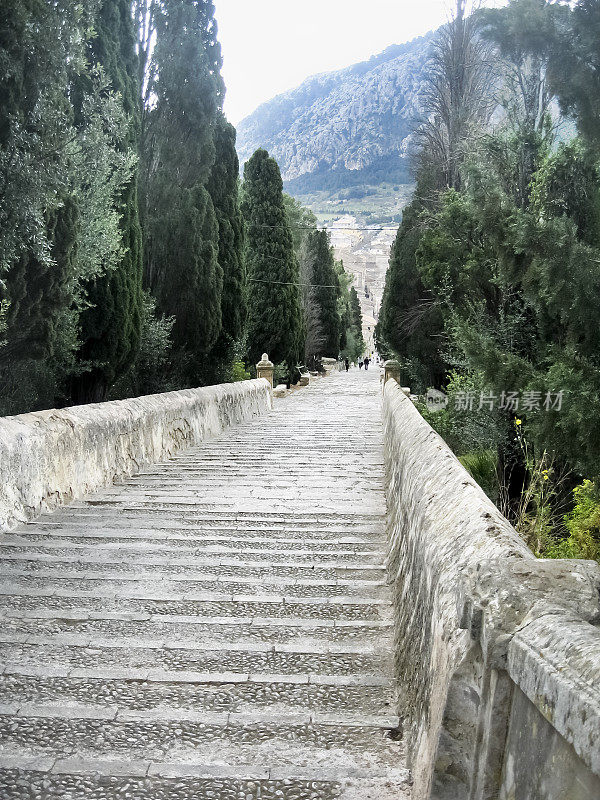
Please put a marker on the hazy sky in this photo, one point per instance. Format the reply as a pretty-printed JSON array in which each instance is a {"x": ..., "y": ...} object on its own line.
[{"x": 270, "y": 46}]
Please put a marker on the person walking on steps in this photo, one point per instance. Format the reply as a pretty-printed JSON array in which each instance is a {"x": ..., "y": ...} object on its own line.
[
  {"x": 360, "y": 364},
  {"x": 367, "y": 362},
  {"x": 347, "y": 363}
]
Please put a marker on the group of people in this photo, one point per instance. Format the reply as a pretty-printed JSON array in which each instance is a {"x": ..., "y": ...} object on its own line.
[{"x": 363, "y": 362}]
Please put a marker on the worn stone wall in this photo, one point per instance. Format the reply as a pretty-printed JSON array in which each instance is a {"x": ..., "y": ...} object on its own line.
[
  {"x": 465, "y": 585},
  {"x": 49, "y": 458},
  {"x": 540, "y": 764}
]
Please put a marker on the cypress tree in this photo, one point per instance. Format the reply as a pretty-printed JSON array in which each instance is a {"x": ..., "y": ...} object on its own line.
[
  {"x": 410, "y": 322},
  {"x": 180, "y": 224},
  {"x": 223, "y": 187},
  {"x": 274, "y": 307},
  {"x": 356, "y": 321},
  {"x": 110, "y": 327},
  {"x": 325, "y": 291}
]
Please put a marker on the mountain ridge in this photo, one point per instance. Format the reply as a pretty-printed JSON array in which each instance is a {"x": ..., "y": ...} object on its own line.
[{"x": 346, "y": 127}]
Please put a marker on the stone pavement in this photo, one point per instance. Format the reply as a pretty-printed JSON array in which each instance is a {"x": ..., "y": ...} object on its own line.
[{"x": 217, "y": 627}]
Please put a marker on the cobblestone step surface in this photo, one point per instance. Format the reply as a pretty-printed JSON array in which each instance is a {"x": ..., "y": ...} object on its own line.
[
  {"x": 217, "y": 626},
  {"x": 276, "y": 696}
]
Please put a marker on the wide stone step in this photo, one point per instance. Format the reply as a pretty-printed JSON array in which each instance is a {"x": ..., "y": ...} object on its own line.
[
  {"x": 83, "y": 511},
  {"x": 221, "y": 497},
  {"x": 198, "y": 644},
  {"x": 163, "y": 735},
  {"x": 250, "y": 606},
  {"x": 93, "y": 780},
  {"x": 307, "y": 633},
  {"x": 196, "y": 544},
  {"x": 184, "y": 657},
  {"x": 166, "y": 527},
  {"x": 221, "y": 553},
  {"x": 36, "y": 563},
  {"x": 184, "y": 483},
  {"x": 264, "y": 697},
  {"x": 185, "y": 538},
  {"x": 186, "y": 584}
]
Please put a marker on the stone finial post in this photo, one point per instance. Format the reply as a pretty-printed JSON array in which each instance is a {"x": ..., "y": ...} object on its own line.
[
  {"x": 328, "y": 364},
  {"x": 265, "y": 369},
  {"x": 391, "y": 369}
]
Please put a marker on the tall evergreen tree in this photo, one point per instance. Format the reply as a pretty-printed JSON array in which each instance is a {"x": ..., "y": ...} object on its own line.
[
  {"x": 183, "y": 93},
  {"x": 574, "y": 62},
  {"x": 302, "y": 221},
  {"x": 223, "y": 187},
  {"x": 110, "y": 326},
  {"x": 274, "y": 308},
  {"x": 410, "y": 322},
  {"x": 324, "y": 292},
  {"x": 356, "y": 323}
]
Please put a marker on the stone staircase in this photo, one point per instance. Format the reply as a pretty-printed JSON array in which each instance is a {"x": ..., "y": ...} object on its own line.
[{"x": 217, "y": 627}]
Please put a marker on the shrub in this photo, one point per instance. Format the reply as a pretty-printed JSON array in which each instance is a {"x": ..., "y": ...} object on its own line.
[
  {"x": 239, "y": 372},
  {"x": 482, "y": 466},
  {"x": 583, "y": 524}
]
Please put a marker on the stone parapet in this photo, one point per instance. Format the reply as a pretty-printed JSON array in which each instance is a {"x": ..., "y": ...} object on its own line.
[
  {"x": 476, "y": 617},
  {"x": 49, "y": 458}
]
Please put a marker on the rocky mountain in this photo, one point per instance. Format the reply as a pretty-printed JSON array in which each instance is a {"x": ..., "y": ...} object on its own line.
[{"x": 344, "y": 128}]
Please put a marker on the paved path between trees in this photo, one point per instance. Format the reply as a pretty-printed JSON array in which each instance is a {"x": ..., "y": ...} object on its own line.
[{"x": 217, "y": 627}]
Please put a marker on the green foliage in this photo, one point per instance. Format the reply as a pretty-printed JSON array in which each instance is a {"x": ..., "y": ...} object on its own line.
[
  {"x": 41, "y": 49},
  {"x": 275, "y": 323},
  {"x": 534, "y": 513},
  {"x": 3, "y": 315},
  {"x": 574, "y": 43},
  {"x": 150, "y": 372},
  {"x": 323, "y": 293},
  {"x": 583, "y": 525},
  {"x": 332, "y": 318},
  {"x": 302, "y": 221},
  {"x": 223, "y": 187},
  {"x": 410, "y": 321},
  {"x": 495, "y": 281},
  {"x": 110, "y": 326},
  {"x": 482, "y": 466},
  {"x": 183, "y": 93},
  {"x": 567, "y": 184},
  {"x": 37, "y": 291},
  {"x": 466, "y": 427},
  {"x": 356, "y": 323},
  {"x": 85, "y": 169},
  {"x": 111, "y": 317},
  {"x": 239, "y": 372},
  {"x": 102, "y": 166},
  {"x": 76, "y": 103},
  {"x": 352, "y": 343}
]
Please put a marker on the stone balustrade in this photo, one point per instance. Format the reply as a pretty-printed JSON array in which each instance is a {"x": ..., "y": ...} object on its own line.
[
  {"x": 497, "y": 652},
  {"x": 49, "y": 458}
]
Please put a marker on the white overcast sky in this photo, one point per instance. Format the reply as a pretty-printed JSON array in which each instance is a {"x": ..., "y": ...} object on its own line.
[{"x": 270, "y": 46}]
